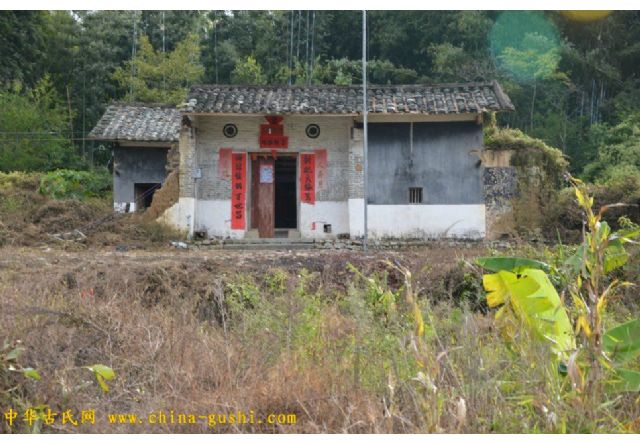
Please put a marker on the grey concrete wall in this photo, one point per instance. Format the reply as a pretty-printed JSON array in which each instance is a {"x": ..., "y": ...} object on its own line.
[
  {"x": 439, "y": 160},
  {"x": 136, "y": 165}
]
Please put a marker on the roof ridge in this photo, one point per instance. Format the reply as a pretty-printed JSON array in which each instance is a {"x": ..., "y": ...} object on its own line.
[
  {"x": 121, "y": 104},
  {"x": 433, "y": 98},
  {"x": 503, "y": 98},
  {"x": 488, "y": 83}
]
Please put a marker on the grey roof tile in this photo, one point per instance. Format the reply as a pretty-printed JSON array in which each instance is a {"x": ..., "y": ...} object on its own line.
[
  {"x": 146, "y": 122},
  {"x": 141, "y": 122},
  {"x": 328, "y": 99}
]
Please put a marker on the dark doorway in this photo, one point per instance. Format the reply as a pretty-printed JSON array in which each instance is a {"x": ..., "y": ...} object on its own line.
[
  {"x": 286, "y": 207},
  {"x": 143, "y": 193}
]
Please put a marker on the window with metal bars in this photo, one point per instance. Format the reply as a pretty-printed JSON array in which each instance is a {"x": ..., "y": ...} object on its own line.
[{"x": 415, "y": 195}]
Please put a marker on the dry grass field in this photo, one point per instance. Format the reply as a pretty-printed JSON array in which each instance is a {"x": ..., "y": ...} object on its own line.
[
  {"x": 293, "y": 341},
  {"x": 275, "y": 332}
]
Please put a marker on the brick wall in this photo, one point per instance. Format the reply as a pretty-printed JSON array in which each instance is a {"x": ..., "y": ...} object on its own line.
[
  {"x": 356, "y": 164},
  {"x": 187, "y": 162},
  {"x": 335, "y": 133}
]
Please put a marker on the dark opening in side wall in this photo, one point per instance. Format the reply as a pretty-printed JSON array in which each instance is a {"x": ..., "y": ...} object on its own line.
[
  {"x": 143, "y": 193},
  {"x": 286, "y": 206},
  {"x": 136, "y": 167}
]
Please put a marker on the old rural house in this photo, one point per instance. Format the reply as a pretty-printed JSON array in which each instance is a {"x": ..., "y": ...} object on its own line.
[
  {"x": 278, "y": 161},
  {"x": 142, "y": 136}
]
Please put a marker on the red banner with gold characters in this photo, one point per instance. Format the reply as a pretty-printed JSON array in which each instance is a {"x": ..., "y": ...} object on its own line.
[
  {"x": 272, "y": 134},
  {"x": 308, "y": 178},
  {"x": 238, "y": 190}
]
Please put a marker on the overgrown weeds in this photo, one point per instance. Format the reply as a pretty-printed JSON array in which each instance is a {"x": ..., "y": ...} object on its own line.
[
  {"x": 38, "y": 209},
  {"x": 381, "y": 355}
]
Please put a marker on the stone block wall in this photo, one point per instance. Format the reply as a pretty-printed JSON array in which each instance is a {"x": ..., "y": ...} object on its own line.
[{"x": 500, "y": 187}]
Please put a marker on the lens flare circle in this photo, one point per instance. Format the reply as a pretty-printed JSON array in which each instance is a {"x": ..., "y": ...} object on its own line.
[
  {"x": 585, "y": 16},
  {"x": 526, "y": 45}
]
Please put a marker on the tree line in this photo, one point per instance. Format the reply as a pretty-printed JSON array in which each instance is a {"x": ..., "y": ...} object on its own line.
[{"x": 573, "y": 82}]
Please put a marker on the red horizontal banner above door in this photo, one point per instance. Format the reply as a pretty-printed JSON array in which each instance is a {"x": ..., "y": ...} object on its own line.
[{"x": 272, "y": 134}]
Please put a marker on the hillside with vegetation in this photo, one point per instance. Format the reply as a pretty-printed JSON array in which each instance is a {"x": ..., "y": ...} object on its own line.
[{"x": 573, "y": 81}]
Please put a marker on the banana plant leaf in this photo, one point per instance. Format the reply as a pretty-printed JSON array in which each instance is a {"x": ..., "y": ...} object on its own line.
[
  {"x": 622, "y": 343},
  {"x": 615, "y": 254},
  {"x": 529, "y": 300},
  {"x": 625, "y": 380},
  {"x": 512, "y": 264}
]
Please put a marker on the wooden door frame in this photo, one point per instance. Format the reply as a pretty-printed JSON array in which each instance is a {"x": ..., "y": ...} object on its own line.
[{"x": 254, "y": 182}]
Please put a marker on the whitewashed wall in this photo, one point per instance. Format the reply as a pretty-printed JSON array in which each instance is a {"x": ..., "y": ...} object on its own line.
[{"x": 426, "y": 221}]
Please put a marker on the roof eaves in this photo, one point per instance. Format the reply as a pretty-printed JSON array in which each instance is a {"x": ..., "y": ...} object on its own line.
[{"x": 503, "y": 99}]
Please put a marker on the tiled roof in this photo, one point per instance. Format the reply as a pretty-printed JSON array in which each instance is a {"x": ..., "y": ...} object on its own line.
[
  {"x": 392, "y": 99},
  {"x": 142, "y": 122}
]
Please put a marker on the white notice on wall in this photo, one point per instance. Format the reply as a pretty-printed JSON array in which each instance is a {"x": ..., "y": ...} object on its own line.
[{"x": 266, "y": 173}]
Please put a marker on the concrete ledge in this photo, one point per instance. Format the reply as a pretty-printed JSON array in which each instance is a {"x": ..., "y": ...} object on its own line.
[
  {"x": 343, "y": 244},
  {"x": 266, "y": 241}
]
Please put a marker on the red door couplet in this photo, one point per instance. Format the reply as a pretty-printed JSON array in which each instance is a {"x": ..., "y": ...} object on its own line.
[
  {"x": 308, "y": 178},
  {"x": 238, "y": 190}
]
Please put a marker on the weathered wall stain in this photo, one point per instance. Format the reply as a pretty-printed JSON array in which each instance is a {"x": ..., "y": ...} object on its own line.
[
  {"x": 224, "y": 164},
  {"x": 321, "y": 168}
]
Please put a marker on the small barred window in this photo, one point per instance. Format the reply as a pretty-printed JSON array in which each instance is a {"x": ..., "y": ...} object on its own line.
[{"x": 415, "y": 195}]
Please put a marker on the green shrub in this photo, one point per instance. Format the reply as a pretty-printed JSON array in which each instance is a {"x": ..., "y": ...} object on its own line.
[
  {"x": 528, "y": 151},
  {"x": 157, "y": 232},
  {"x": 617, "y": 147},
  {"x": 35, "y": 122},
  {"x": 623, "y": 182},
  {"x": 66, "y": 183},
  {"x": 463, "y": 287},
  {"x": 10, "y": 181}
]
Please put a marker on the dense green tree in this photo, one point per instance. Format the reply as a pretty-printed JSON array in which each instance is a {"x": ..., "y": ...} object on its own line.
[
  {"x": 617, "y": 150},
  {"x": 153, "y": 76},
  {"x": 234, "y": 36},
  {"x": 248, "y": 72},
  {"x": 106, "y": 41},
  {"x": 165, "y": 29},
  {"x": 22, "y": 46},
  {"x": 34, "y": 129},
  {"x": 568, "y": 79}
]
